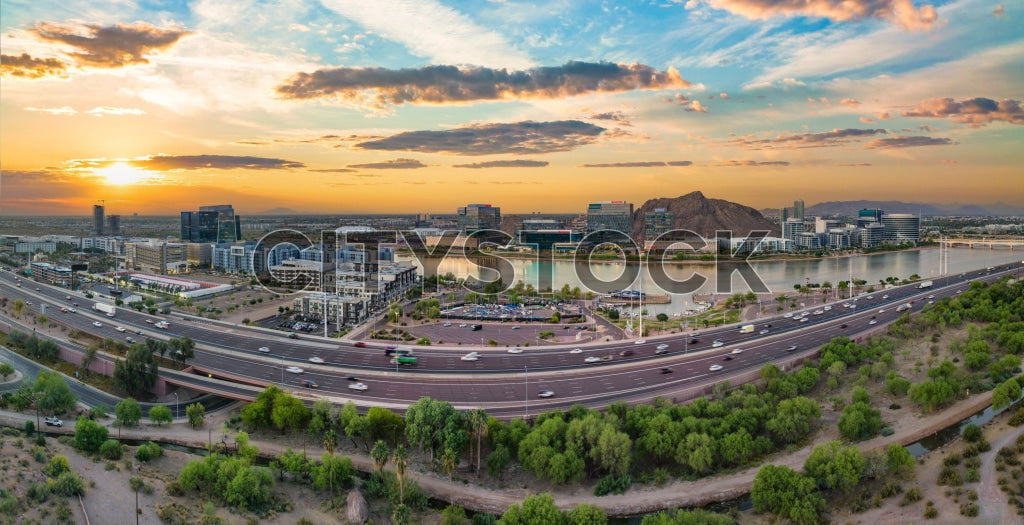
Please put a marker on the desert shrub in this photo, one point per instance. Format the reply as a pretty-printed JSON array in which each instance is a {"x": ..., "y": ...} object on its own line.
[
  {"x": 613, "y": 485},
  {"x": 1017, "y": 419},
  {"x": 68, "y": 484},
  {"x": 911, "y": 496},
  {"x": 950, "y": 476},
  {"x": 148, "y": 451},
  {"x": 952, "y": 460},
  {"x": 972, "y": 433},
  {"x": 973, "y": 475},
  {"x": 930, "y": 512},
  {"x": 37, "y": 492},
  {"x": 969, "y": 509},
  {"x": 111, "y": 449},
  {"x": 890, "y": 489}
]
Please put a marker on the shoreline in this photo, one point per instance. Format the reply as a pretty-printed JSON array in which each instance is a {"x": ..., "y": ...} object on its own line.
[{"x": 634, "y": 261}]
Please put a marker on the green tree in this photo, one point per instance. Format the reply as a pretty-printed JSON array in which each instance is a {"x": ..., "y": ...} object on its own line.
[
  {"x": 429, "y": 423},
  {"x": 787, "y": 493},
  {"x": 137, "y": 373},
  {"x": 52, "y": 394},
  {"x": 330, "y": 442},
  {"x": 127, "y": 412},
  {"x": 6, "y": 369},
  {"x": 835, "y": 467},
  {"x": 88, "y": 358},
  {"x": 535, "y": 509},
  {"x": 476, "y": 421},
  {"x": 89, "y": 435},
  {"x": 793, "y": 419},
  {"x": 587, "y": 514},
  {"x": 196, "y": 413},
  {"x": 859, "y": 421},
  {"x": 289, "y": 412},
  {"x": 899, "y": 461},
  {"x": 182, "y": 348},
  {"x": 160, "y": 414}
]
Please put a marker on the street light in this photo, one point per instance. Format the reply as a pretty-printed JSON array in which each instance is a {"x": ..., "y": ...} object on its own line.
[
  {"x": 526, "y": 392},
  {"x": 175, "y": 403}
]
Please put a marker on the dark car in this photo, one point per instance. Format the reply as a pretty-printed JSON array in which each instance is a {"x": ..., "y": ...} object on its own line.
[
  {"x": 694, "y": 340},
  {"x": 293, "y": 335},
  {"x": 842, "y": 325},
  {"x": 353, "y": 378},
  {"x": 726, "y": 357},
  {"x": 626, "y": 353},
  {"x": 309, "y": 383},
  {"x": 359, "y": 344},
  {"x": 666, "y": 370}
]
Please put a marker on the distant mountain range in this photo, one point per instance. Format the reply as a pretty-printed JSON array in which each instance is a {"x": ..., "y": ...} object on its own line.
[
  {"x": 705, "y": 216},
  {"x": 850, "y": 209}
]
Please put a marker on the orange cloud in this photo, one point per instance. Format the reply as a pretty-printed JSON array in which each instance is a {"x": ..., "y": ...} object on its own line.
[
  {"x": 976, "y": 111},
  {"x": 899, "y": 12},
  {"x": 112, "y": 46},
  {"x": 26, "y": 66}
]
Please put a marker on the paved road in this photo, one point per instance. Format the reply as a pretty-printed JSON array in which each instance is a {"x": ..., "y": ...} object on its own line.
[{"x": 504, "y": 382}]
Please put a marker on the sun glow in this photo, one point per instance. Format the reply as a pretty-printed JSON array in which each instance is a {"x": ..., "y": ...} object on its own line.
[{"x": 121, "y": 174}]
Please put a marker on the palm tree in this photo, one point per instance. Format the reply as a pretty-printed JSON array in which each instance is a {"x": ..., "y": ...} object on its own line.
[
  {"x": 331, "y": 441},
  {"x": 380, "y": 454},
  {"x": 401, "y": 460},
  {"x": 477, "y": 420},
  {"x": 449, "y": 461}
]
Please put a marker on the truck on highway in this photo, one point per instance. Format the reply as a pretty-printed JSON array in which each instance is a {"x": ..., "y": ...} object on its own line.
[
  {"x": 924, "y": 284},
  {"x": 404, "y": 360},
  {"x": 104, "y": 309},
  {"x": 746, "y": 329},
  {"x": 161, "y": 324}
]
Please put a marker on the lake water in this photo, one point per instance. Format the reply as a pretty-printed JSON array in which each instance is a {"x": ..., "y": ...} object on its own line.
[{"x": 777, "y": 276}]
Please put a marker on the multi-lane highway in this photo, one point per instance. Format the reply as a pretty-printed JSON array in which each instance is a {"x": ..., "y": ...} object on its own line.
[{"x": 500, "y": 381}]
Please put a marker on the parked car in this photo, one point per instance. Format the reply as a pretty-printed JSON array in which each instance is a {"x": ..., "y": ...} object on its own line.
[{"x": 53, "y": 421}]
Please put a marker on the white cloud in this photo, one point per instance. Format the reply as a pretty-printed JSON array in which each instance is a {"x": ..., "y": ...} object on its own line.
[
  {"x": 100, "y": 111},
  {"x": 63, "y": 110},
  {"x": 436, "y": 32}
]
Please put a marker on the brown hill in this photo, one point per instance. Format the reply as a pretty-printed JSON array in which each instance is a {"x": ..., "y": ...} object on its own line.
[{"x": 697, "y": 213}]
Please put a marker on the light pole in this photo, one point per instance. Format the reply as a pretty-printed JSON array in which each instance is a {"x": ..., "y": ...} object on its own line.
[
  {"x": 526, "y": 392},
  {"x": 282, "y": 369},
  {"x": 175, "y": 404}
]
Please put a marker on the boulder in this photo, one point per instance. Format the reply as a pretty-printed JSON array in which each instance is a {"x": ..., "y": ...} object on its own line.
[{"x": 356, "y": 510}]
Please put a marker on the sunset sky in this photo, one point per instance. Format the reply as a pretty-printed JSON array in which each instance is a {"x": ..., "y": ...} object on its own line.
[{"x": 419, "y": 106}]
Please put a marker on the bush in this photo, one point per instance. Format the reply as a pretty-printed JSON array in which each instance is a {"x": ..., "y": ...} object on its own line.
[
  {"x": 37, "y": 492},
  {"x": 1018, "y": 418},
  {"x": 912, "y": 496},
  {"x": 68, "y": 484},
  {"x": 951, "y": 460},
  {"x": 972, "y": 433},
  {"x": 930, "y": 512},
  {"x": 148, "y": 451},
  {"x": 613, "y": 485},
  {"x": 969, "y": 509},
  {"x": 973, "y": 475},
  {"x": 30, "y": 428},
  {"x": 890, "y": 489},
  {"x": 111, "y": 449},
  {"x": 950, "y": 476}
]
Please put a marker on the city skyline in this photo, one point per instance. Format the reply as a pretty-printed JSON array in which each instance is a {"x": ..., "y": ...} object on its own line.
[{"x": 394, "y": 107}]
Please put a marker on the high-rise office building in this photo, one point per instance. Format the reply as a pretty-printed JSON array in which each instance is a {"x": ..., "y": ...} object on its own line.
[
  {"x": 798, "y": 209},
  {"x": 475, "y": 217},
  {"x": 792, "y": 227},
  {"x": 211, "y": 224},
  {"x": 114, "y": 225},
  {"x": 901, "y": 228},
  {"x": 867, "y": 216},
  {"x": 97, "y": 219},
  {"x": 610, "y": 215},
  {"x": 657, "y": 223}
]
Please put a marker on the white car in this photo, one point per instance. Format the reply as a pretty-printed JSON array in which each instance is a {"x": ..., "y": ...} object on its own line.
[
  {"x": 847, "y": 305},
  {"x": 881, "y": 310},
  {"x": 545, "y": 393},
  {"x": 316, "y": 360},
  {"x": 818, "y": 312},
  {"x": 872, "y": 322},
  {"x": 120, "y": 329},
  {"x": 885, "y": 297},
  {"x": 358, "y": 386},
  {"x": 515, "y": 350},
  {"x": 871, "y": 297},
  {"x": 827, "y": 308},
  {"x": 803, "y": 319},
  {"x": 463, "y": 325},
  {"x": 447, "y": 324},
  {"x": 264, "y": 349},
  {"x": 764, "y": 332},
  {"x": 715, "y": 368},
  {"x": 717, "y": 343},
  {"x": 576, "y": 351},
  {"x": 97, "y": 324},
  {"x": 53, "y": 421},
  {"x": 788, "y": 315},
  {"x": 639, "y": 342},
  {"x": 931, "y": 297},
  {"x": 737, "y": 351},
  {"x": 592, "y": 359},
  {"x": 130, "y": 339},
  {"x": 662, "y": 346},
  {"x": 516, "y": 327},
  {"x": 472, "y": 356},
  {"x": 294, "y": 370}
]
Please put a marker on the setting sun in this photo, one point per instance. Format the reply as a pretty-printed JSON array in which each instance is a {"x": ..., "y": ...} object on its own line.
[{"x": 121, "y": 174}]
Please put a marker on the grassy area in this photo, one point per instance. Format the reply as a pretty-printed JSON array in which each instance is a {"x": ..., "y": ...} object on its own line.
[{"x": 715, "y": 317}]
